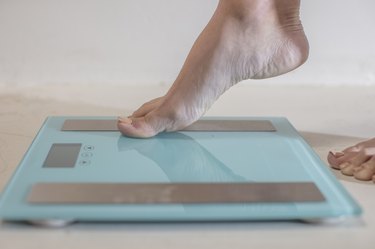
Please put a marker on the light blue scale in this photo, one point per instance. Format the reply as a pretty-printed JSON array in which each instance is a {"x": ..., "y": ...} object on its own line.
[{"x": 186, "y": 157}]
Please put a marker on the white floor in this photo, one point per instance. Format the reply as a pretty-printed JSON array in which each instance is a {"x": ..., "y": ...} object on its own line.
[{"x": 330, "y": 118}]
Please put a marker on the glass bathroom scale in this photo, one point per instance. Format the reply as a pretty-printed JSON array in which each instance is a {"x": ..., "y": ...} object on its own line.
[{"x": 217, "y": 169}]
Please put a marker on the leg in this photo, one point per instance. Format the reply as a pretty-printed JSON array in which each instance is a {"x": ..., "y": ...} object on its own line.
[
  {"x": 245, "y": 39},
  {"x": 357, "y": 161}
]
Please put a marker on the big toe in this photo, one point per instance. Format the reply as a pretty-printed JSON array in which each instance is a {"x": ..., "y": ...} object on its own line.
[
  {"x": 332, "y": 160},
  {"x": 138, "y": 127}
]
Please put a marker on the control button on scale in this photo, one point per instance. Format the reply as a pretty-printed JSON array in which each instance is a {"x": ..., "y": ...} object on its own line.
[
  {"x": 86, "y": 154},
  {"x": 88, "y": 147},
  {"x": 84, "y": 162}
]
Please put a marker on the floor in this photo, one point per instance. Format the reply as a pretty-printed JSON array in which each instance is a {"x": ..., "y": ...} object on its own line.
[{"x": 329, "y": 118}]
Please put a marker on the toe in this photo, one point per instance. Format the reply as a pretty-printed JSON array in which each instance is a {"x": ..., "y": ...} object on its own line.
[
  {"x": 357, "y": 169},
  {"x": 332, "y": 160},
  {"x": 355, "y": 158},
  {"x": 146, "y": 108},
  {"x": 344, "y": 165},
  {"x": 143, "y": 111},
  {"x": 138, "y": 127},
  {"x": 366, "y": 170},
  {"x": 349, "y": 169}
]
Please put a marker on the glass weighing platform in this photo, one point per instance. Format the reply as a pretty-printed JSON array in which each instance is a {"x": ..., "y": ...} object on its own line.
[{"x": 232, "y": 169}]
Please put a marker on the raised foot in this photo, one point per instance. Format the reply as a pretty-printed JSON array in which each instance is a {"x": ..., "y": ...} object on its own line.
[{"x": 243, "y": 40}]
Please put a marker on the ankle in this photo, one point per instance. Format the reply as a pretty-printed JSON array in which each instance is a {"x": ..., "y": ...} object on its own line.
[{"x": 281, "y": 12}]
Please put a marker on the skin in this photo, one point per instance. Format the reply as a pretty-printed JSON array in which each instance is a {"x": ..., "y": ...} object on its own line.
[
  {"x": 245, "y": 39},
  {"x": 357, "y": 161}
]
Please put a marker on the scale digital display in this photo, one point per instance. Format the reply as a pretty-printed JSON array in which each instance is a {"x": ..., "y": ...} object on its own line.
[{"x": 62, "y": 155}]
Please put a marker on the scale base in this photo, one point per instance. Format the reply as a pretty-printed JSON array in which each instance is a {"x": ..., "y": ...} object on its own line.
[{"x": 51, "y": 223}]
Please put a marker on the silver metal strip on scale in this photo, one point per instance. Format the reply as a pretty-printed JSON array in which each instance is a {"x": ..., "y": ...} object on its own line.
[
  {"x": 173, "y": 193},
  {"x": 200, "y": 125}
]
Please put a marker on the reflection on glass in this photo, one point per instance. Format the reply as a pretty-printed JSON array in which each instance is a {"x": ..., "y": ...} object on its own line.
[{"x": 181, "y": 158}]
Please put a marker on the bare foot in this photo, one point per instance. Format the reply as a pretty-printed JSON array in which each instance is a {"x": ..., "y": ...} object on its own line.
[
  {"x": 245, "y": 39},
  {"x": 357, "y": 161}
]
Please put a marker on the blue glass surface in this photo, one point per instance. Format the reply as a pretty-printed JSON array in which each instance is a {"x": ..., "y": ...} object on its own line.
[{"x": 281, "y": 156}]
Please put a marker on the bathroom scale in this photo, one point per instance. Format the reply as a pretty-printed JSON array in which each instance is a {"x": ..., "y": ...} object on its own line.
[{"x": 217, "y": 169}]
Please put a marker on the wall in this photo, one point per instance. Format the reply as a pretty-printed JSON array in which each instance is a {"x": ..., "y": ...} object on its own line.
[{"x": 146, "y": 41}]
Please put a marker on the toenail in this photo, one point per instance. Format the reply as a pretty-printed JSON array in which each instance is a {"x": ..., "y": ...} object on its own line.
[
  {"x": 124, "y": 120},
  {"x": 339, "y": 154},
  {"x": 336, "y": 154}
]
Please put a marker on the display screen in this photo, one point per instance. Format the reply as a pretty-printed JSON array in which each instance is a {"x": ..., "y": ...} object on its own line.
[{"x": 62, "y": 155}]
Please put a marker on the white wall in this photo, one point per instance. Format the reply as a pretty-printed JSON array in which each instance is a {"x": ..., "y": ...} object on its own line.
[{"x": 146, "y": 41}]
